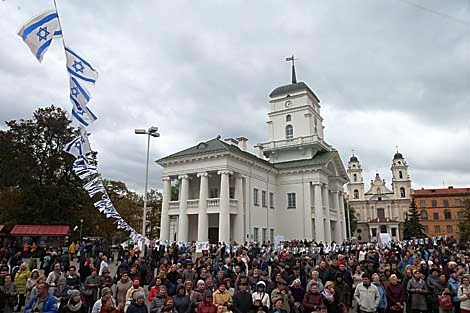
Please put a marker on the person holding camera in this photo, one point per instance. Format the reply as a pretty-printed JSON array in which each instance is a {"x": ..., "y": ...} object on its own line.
[{"x": 42, "y": 302}]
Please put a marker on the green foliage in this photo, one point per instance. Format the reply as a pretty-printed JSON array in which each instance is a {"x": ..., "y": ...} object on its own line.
[
  {"x": 413, "y": 228},
  {"x": 38, "y": 186},
  {"x": 464, "y": 225}
]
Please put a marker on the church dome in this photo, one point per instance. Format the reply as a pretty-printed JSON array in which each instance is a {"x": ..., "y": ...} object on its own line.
[
  {"x": 397, "y": 156},
  {"x": 353, "y": 159}
]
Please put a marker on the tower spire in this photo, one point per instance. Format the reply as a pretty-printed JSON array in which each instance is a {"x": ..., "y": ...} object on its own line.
[{"x": 294, "y": 78}]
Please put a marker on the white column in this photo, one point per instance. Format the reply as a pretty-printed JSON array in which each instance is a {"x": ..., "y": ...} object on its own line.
[
  {"x": 398, "y": 232},
  {"x": 307, "y": 212},
  {"x": 165, "y": 218},
  {"x": 203, "y": 218},
  {"x": 239, "y": 222},
  {"x": 338, "y": 237},
  {"x": 326, "y": 199},
  {"x": 319, "y": 227},
  {"x": 248, "y": 210},
  {"x": 343, "y": 214},
  {"x": 224, "y": 212},
  {"x": 183, "y": 214}
]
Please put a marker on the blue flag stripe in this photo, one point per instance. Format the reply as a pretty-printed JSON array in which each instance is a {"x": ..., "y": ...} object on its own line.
[
  {"x": 78, "y": 57},
  {"x": 57, "y": 33},
  {"x": 42, "y": 49},
  {"x": 82, "y": 91},
  {"x": 79, "y": 118},
  {"x": 80, "y": 76},
  {"x": 31, "y": 28}
]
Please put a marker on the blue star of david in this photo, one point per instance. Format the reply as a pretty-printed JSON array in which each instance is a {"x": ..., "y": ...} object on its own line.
[
  {"x": 78, "y": 66},
  {"x": 74, "y": 91},
  {"x": 42, "y": 33}
]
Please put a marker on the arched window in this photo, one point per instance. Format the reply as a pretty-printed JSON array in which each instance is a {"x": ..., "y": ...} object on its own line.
[
  {"x": 447, "y": 215},
  {"x": 289, "y": 132},
  {"x": 402, "y": 192},
  {"x": 424, "y": 215},
  {"x": 288, "y": 118},
  {"x": 400, "y": 174},
  {"x": 383, "y": 229},
  {"x": 379, "y": 191},
  {"x": 356, "y": 194},
  {"x": 355, "y": 177}
]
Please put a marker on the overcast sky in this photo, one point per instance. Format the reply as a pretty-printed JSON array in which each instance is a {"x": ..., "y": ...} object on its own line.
[{"x": 388, "y": 73}]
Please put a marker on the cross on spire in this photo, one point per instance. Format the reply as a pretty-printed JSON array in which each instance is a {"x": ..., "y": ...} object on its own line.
[
  {"x": 292, "y": 58},
  {"x": 396, "y": 148}
]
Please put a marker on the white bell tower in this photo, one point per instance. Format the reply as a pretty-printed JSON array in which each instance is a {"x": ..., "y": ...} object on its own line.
[
  {"x": 401, "y": 181},
  {"x": 295, "y": 124},
  {"x": 356, "y": 182}
]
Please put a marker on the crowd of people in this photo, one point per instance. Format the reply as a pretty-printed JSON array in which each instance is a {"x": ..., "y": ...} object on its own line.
[{"x": 293, "y": 277}]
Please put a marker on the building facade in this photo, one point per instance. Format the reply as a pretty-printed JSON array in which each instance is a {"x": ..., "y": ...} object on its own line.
[
  {"x": 291, "y": 186},
  {"x": 379, "y": 209},
  {"x": 441, "y": 209}
]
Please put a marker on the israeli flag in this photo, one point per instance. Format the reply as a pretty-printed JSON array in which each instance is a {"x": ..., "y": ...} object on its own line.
[
  {"x": 78, "y": 94},
  {"x": 94, "y": 187},
  {"x": 79, "y": 68},
  {"x": 84, "y": 116},
  {"x": 39, "y": 32},
  {"x": 77, "y": 147}
]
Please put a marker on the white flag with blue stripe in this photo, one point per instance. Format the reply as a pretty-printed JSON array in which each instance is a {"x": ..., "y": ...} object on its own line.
[
  {"x": 39, "y": 32},
  {"x": 79, "y": 67},
  {"x": 84, "y": 116},
  {"x": 78, "y": 147},
  {"x": 78, "y": 94}
]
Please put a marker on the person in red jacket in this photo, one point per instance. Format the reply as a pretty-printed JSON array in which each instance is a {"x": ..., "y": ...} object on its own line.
[
  {"x": 207, "y": 306},
  {"x": 312, "y": 299}
]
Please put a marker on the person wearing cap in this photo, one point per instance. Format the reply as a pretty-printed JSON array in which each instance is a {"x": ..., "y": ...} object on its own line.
[
  {"x": 74, "y": 304},
  {"x": 270, "y": 285},
  {"x": 260, "y": 294},
  {"x": 395, "y": 295},
  {"x": 134, "y": 288},
  {"x": 279, "y": 306},
  {"x": 417, "y": 290},
  {"x": 105, "y": 279},
  {"x": 189, "y": 273},
  {"x": 242, "y": 300},
  {"x": 450, "y": 268},
  {"x": 138, "y": 305},
  {"x": 207, "y": 306},
  {"x": 282, "y": 292},
  {"x": 198, "y": 294},
  {"x": 366, "y": 295},
  {"x": 105, "y": 293}
]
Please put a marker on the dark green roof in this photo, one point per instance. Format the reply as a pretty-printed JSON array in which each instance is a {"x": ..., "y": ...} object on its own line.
[
  {"x": 286, "y": 89},
  {"x": 318, "y": 159},
  {"x": 212, "y": 146}
]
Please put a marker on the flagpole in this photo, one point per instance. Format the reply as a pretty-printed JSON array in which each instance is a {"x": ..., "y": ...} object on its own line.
[{"x": 60, "y": 25}]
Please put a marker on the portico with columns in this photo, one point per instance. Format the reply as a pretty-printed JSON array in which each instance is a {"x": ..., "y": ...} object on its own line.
[{"x": 290, "y": 186}]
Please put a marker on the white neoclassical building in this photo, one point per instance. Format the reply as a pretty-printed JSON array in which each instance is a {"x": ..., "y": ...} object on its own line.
[
  {"x": 290, "y": 186},
  {"x": 379, "y": 209}
]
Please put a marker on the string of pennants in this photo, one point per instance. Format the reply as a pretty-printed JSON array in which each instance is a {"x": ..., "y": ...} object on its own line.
[
  {"x": 38, "y": 34},
  {"x": 284, "y": 246}
]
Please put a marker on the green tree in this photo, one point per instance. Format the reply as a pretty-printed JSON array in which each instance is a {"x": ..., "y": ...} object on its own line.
[
  {"x": 351, "y": 218},
  {"x": 413, "y": 228},
  {"x": 464, "y": 225},
  {"x": 154, "y": 209},
  {"x": 37, "y": 184}
]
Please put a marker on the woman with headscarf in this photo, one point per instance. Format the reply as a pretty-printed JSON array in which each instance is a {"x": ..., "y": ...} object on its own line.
[
  {"x": 395, "y": 295},
  {"x": 62, "y": 293},
  {"x": 30, "y": 283},
  {"x": 74, "y": 304}
]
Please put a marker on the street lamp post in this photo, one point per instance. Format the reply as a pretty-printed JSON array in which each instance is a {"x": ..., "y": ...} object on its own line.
[
  {"x": 81, "y": 227},
  {"x": 151, "y": 132}
]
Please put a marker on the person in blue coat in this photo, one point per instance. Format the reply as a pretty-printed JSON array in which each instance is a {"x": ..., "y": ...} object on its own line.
[
  {"x": 43, "y": 302},
  {"x": 383, "y": 297}
]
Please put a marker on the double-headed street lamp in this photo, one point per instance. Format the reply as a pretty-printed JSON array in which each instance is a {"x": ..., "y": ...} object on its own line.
[{"x": 151, "y": 132}]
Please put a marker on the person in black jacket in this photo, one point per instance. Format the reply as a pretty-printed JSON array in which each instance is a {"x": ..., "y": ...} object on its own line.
[
  {"x": 138, "y": 305},
  {"x": 242, "y": 299}
]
